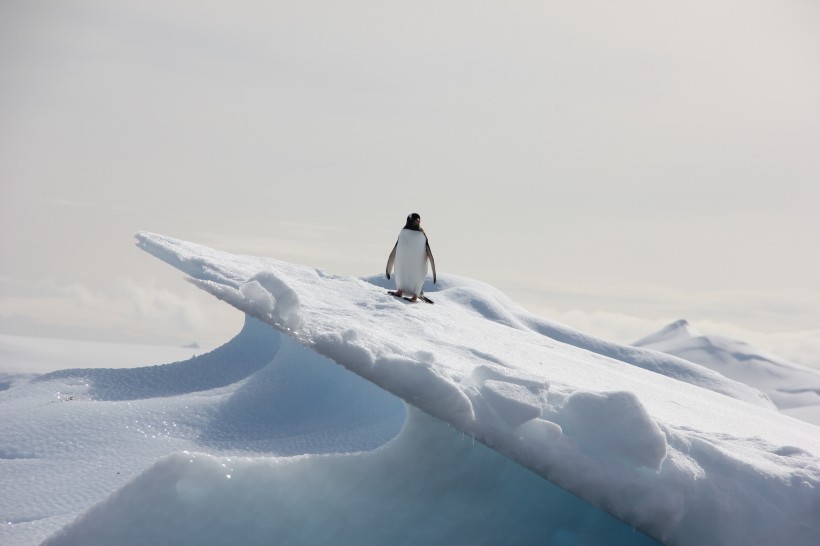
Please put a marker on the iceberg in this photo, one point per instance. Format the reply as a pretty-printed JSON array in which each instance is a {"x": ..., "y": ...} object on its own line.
[{"x": 343, "y": 415}]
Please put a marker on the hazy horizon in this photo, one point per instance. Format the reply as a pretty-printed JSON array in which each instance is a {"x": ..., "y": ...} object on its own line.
[{"x": 611, "y": 166}]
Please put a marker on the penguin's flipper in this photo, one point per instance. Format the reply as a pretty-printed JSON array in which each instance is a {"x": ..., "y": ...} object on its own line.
[
  {"x": 391, "y": 260},
  {"x": 432, "y": 263}
]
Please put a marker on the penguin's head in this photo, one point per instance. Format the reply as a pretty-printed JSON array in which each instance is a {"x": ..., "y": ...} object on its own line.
[{"x": 413, "y": 222}]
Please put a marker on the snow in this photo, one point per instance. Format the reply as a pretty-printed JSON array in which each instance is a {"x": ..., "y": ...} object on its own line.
[
  {"x": 793, "y": 388},
  {"x": 342, "y": 415}
]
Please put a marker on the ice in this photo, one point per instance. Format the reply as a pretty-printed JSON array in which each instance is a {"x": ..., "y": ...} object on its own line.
[
  {"x": 284, "y": 451},
  {"x": 342, "y": 415},
  {"x": 70, "y": 438},
  {"x": 429, "y": 486}
]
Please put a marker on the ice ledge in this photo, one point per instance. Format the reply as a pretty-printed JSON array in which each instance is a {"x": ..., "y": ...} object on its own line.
[{"x": 630, "y": 441}]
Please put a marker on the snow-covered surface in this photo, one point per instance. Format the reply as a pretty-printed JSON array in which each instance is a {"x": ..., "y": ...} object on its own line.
[
  {"x": 794, "y": 389},
  {"x": 266, "y": 437},
  {"x": 261, "y": 441}
]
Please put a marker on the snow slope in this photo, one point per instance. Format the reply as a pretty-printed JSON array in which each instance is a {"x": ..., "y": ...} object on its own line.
[
  {"x": 793, "y": 388},
  {"x": 683, "y": 463},
  {"x": 260, "y": 442},
  {"x": 267, "y": 440}
]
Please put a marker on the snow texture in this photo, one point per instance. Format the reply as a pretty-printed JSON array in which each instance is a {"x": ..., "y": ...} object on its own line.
[{"x": 268, "y": 440}]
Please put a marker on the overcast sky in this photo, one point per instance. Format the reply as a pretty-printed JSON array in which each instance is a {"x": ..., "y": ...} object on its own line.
[{"x": 611, "y": 165}]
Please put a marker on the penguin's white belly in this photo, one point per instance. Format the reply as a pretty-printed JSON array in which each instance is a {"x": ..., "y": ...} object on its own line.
[{"x": 411, "y": 262}]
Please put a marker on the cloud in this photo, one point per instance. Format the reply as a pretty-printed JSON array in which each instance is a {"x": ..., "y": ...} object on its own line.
[
  {"x": 800, "y": 347},
  {"x": 780, "y": 322},
  {"x": 127, "y": 310},
  {"x": 765, "y": 309}
]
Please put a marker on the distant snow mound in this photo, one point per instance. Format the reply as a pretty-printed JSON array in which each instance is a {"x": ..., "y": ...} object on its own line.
[
  {"x": 680, "y": 329},
  {"x": 790, "y": 386}
]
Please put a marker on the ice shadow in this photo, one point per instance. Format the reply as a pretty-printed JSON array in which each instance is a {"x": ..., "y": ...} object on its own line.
[{"x": 302, "y": 402}]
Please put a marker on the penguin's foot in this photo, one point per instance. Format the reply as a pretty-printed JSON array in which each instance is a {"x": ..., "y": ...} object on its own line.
[
  {"x": 417, "y": 299},
  {"x": 400, "y": 294}
]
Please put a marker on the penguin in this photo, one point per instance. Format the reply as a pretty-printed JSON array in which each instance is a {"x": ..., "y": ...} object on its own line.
[{"x": 410, "y": 255}]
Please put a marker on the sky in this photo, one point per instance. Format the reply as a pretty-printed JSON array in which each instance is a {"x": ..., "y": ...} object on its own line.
[{"x": 612, "y": 166}]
